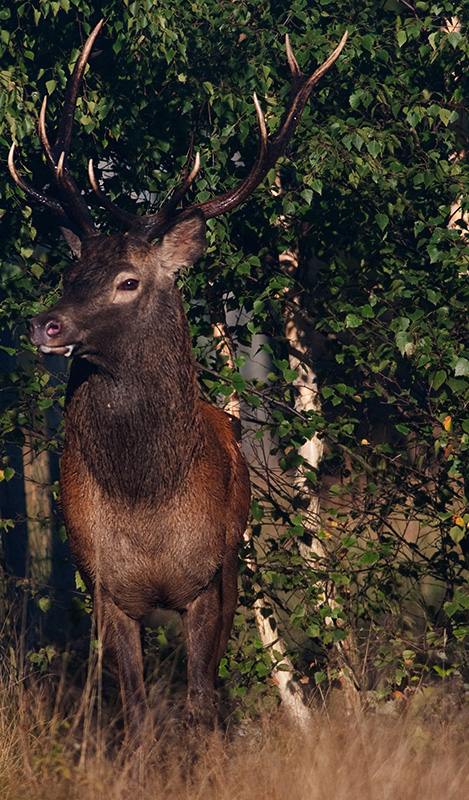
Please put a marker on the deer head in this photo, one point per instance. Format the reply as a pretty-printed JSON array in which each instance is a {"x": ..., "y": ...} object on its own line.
[
  {"x": 135, "y": 281},
  {"x": 130, "y": 266}
]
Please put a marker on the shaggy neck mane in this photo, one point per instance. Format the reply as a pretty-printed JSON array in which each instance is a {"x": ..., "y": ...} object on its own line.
[{"x": 142, "y": 406}]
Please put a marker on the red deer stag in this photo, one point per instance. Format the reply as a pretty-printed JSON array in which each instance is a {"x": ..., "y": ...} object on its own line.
[{"x": 155, "y": 491}]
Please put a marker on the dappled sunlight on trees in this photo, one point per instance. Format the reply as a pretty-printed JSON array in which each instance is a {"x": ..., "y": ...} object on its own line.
[{"x": 359, "y": 560}]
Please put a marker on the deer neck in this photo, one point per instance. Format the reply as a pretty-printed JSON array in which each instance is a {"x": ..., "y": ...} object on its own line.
[{"x": 134, "y": 421}]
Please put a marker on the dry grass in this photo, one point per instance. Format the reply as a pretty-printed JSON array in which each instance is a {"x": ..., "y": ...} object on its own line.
[{"x": 54, "y": 748}]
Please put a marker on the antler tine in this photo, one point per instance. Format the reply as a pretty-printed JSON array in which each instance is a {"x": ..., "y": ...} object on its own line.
[
  {"x": 293, "y": 63},
  {"x": 43, "y": 199},
  {"x": 57, "y": 155},
  {"x": 75, "y": 200},
  {"x": 177, "y": 196},
  {"x": 126, "y": 217},
  {"x": 262, "y": 128},
  {"x": 156, "y": 224},
  {"x": 151, "y": 225},
  {"x": 317, "y": 75},
  {"x": 44, "y": 139},
  {"x": 64, "y": 131}
]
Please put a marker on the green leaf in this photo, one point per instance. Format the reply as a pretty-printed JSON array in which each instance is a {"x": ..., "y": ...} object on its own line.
[
  {"x": 225, "y": 390},
  {"x": 445, "y": 115},
  {"x": 382, "y": 220},
  {"x": 451, "y": 608},
  {"x": 7, "y": 474},
  {"x": 462, "y": 367},
  {"x": 439, "y": 379},
  {"x": 401, "y": 37},
  {"x": 44, "y": 604},
  {"x": 367, "y": 42},
  {"x": 405, "y": 343},
  {"x": 454, "y": 38},
  {"x": 352, "y": 321},
  {"x": 457, "y": 533},
  {"x": 374, "y": 148},
  {"x": 370, "y": 557},
  {"x": 223, "y": 669},
  {"x": 402, "y": 428},
  {"x": 239, "y": 384},
  {"x": 316, "y": 186},
  {"x": 290, "y": 375},
  {"x": 367, "y": 312},
  {"x": 457, "y": 385},
  {"x": 257, "y": 511},
  {"x": 79, "y": 582}
]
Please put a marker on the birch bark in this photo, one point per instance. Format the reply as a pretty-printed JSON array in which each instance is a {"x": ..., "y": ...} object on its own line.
[{"x": 291, "y": 693}]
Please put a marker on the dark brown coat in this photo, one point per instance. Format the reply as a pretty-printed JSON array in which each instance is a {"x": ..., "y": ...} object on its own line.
[{"x": 155, "y": 491}]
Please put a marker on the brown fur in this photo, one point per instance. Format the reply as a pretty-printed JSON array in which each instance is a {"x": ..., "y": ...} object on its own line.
[{"x": 155, "y": 491}]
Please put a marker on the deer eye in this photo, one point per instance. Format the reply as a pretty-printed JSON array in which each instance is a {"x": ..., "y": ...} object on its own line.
[{"x": 129, "y": 285}]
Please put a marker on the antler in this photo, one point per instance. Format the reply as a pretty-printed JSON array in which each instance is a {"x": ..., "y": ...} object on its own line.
[
  {"x": 269, "y": 152},
  {"x": 73, "y": 213},
  {"x": 151, "y": 226}
]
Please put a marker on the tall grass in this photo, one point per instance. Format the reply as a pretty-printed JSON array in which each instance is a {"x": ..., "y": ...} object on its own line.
[{"x": 61, "y": 742}]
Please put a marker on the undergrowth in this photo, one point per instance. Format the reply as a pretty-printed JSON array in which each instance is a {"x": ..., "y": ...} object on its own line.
[{"x": 62, "y": 740}]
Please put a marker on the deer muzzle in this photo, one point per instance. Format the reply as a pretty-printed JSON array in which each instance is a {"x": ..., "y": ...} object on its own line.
[{"x": 48, "y": 333}]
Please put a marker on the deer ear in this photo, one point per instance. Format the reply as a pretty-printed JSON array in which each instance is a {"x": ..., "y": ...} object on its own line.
[
  {"x": 182, "y": 245},
  {"x": 73, "y": 241}
]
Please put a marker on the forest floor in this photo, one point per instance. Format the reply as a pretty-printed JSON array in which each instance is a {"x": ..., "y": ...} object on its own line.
[{"x": 53, "y": 749}]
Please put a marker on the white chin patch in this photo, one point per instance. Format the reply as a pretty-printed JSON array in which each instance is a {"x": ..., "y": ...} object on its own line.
[{"x": 58, "y": 351}]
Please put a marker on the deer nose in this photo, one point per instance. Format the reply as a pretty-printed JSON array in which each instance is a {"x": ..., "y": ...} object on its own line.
[
  {"x": 42, "y": 332},
  {"x": 53, "y": 328}
]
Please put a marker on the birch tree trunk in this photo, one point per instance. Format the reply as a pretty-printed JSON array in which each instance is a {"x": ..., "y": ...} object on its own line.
[
  {"x": 300, "y": 336},
  {"x": 291, "y": 693},
  {"x": 37, "y": 482}
]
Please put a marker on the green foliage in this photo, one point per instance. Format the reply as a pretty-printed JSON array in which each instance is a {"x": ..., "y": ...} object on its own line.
[{"x": 374, "y": 204}]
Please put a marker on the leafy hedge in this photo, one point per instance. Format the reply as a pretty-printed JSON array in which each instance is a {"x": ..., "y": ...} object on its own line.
[{"x": 373, "y": 208}]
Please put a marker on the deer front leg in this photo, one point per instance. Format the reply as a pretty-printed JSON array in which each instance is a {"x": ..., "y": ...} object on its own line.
[
  {"x": 122, "y": 648},
  {"x": 202, "y": 626}
]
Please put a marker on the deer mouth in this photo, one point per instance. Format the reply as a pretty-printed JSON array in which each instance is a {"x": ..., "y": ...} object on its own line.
[{"x": 57, "y": 350}]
